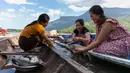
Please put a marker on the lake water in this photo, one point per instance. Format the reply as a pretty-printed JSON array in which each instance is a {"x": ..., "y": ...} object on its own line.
[
  {"x": 13, "y": 33},
  {"x": 7, "y": 71}
]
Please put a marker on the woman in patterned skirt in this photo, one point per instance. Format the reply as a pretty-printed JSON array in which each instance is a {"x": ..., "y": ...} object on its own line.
[{"x": 111, "y": 37}]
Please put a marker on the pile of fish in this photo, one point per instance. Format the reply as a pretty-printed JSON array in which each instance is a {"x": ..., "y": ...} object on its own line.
[{"x": 26, "y": 62}]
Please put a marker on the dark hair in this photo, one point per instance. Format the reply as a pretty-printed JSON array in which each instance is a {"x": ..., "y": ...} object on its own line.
[
  {"x": 81, "y": 21},
  {"x": 85, "y": 30},
  {"x": 98, "y": 10},
  {"x": 42, "y": 18}
]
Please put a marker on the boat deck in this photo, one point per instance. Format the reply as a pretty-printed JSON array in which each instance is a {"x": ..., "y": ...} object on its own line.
[{"x": 60, "y": 60}]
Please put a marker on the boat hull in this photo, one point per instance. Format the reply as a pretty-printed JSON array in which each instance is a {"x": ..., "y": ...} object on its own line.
[{"x": 61, "y": 60}]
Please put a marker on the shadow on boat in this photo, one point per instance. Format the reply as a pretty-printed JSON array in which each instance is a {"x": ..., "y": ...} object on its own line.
[
  {"x": 61, "y": 60},
  {"x": 37, "y": 70}
]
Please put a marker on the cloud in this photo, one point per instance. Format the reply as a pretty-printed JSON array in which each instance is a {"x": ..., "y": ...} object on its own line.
[
  {"x": 53, "y": 12},
  {"x": 36, "y": 14},
  {"x": 82, "y": 2},
  {"x": 69, "y": 1},
  {"x": 18, "y": 2},
  {"x": 1, "y": 18},
  {"x": 84, "y": 5},
  {"x": 6, "y": 14},
  {"x": 78, "y": 9},
  {"x": 103, "y": 3},
  {"x": 11, "y": 10},
  {"x": 41, "y": 7},
  {"x": 81, "y": 5},
  {"x": 116, "y": 3},
  {"x": 23, "y": 9}
]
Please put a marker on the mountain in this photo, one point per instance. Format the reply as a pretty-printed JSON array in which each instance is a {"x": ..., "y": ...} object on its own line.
[
  {"x": 67, "y": 21},
  {"x": 124, "y": 20},
  {"x": 14, "y": 30}
]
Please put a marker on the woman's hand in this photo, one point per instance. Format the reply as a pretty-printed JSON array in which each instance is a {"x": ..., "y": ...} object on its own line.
[
  {"x": 53, "y": 36},
  {"x": 50, "y": 44},
  {"x": 47, "y": 41},
  {"x": 79, "y": 49},
  {"x": 75, "y": 38}
]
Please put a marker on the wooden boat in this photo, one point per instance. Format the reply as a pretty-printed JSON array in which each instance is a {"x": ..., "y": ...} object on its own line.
[
  {"x": 55, "y": 59},
  {"x": 59, "y": 60},
  {"x": 113, "y": 59}
]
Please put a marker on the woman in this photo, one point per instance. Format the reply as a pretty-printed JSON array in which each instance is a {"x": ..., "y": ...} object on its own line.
[
  {"x": 111, "y": 37},
  {"x": 81, "y": 34},
  {"x": 34, "y": 34}
]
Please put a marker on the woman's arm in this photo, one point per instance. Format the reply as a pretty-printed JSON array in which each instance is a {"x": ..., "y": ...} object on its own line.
[
  {"x": 87, "y": 37},
  {"x": 105, "y": 31},
  {"x": 85, "y": 40},
  {"x": 96, "y": 33},
  {"x": 42, "y": 33},
  {"x": 73, "y": 35},
  {"x": 55, "y": 36},
  {"x": 48, "y": 41},
  {"x": 74, "y": 38}
]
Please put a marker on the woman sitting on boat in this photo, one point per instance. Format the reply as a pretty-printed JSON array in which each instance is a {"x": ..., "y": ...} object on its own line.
[
  {"x": 111, "y": 37},
  {"x": 34, "y": 34},
  {"x": 81, "y": 34}
]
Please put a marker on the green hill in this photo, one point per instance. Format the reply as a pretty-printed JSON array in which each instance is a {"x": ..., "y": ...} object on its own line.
[
  {"x": 124, "y": 20},
  {"x": 14, "y": 30},
  {"x": 90, "y": 26},
  {"x": 68, "y": 21}
]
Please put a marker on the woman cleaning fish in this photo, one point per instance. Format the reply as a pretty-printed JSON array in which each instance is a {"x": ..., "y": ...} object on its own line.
[
  {"x": 81, "y": 34},
  {"x": 34, "y": 34},
  {"x": 111, "y": 37}
]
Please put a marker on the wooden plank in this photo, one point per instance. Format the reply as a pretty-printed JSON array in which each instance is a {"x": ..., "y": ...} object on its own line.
[
  {"x": 112, "y": 59},
  {"x": 8, "y": 67},
  {"x": 68, "y": 69},
  {"x": 68, "y": 65},
  {"x": 2, "y": 39},
  {"x": 21, "y": 53},
  {"x": 14, "y": 42},
  {"x": 77, "y": 66},
  {"x": 2, "y": 61},
  {"x": 55, "y": 63},
  {"x": 5, "y": 46}
]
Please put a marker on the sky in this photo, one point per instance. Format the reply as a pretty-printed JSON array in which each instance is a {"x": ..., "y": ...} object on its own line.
[{"x": 17, "y": 14}]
